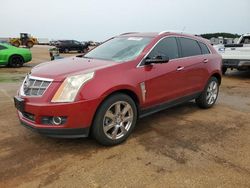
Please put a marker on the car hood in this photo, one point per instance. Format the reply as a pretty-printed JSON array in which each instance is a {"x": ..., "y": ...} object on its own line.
[{"x": 59, "y": 69}]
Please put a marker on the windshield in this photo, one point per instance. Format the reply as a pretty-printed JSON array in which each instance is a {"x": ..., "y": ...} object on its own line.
[{"x": 119, "y": 49}]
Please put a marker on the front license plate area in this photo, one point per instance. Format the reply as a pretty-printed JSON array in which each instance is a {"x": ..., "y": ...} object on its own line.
[{"x": 19, "y": 104}]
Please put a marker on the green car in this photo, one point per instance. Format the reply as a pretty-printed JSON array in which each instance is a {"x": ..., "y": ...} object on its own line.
[{"x": 13, "y": 56}]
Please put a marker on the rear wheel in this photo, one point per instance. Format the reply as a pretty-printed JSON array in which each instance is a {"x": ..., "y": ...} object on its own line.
[
  {"x": 210, "y": 94},
  {"x": 114, "y": 120},
  {"x": 16, "y": 61}
]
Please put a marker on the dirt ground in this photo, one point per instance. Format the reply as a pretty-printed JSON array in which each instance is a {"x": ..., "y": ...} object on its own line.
[{"x": 179, "y": 147}]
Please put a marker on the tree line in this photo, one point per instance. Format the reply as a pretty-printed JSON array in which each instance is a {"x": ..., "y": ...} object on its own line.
[{"x": 216, "y": 35}]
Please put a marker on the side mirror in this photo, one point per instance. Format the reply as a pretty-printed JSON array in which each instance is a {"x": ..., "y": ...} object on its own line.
[{"x": 157, "y": 59}]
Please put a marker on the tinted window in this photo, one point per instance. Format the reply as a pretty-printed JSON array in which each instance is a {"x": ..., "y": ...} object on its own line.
[
  {"x": 2, "y": 47},
  {"x": 204, "y": 48},
  {"x": 189, "y": 47},
  {"x": 166, "y": 47}
]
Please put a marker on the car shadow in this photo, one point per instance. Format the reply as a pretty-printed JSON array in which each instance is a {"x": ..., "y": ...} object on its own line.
[{"x": 238, "y": 74}]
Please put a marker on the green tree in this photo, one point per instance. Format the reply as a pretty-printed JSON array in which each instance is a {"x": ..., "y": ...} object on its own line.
[{"x": 216, "y": 35}]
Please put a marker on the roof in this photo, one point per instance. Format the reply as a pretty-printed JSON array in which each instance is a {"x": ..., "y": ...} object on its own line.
[
  {"x": 154, "y": 34},
  {"x": 139, "y": 34}
]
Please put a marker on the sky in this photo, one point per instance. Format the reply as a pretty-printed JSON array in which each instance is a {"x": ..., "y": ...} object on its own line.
[{"x": 98, "y": 20}]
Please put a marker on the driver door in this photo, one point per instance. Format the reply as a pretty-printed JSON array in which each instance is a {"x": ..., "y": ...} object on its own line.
[{"x": 164, "y": 82}]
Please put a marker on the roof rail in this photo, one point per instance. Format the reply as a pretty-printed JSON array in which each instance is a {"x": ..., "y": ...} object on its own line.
[
  {"x": 173, "y": 31},
  {"x": 128, "y": 33}
]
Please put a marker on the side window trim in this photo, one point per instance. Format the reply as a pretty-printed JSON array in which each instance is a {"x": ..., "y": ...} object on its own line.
[
  {"x": 200, "y": 47},
  {"x": 179, "y": 47}
]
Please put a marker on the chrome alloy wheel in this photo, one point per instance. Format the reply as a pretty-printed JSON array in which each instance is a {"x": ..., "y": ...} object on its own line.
[
  {"x": 212, "y": 92},
  {"x": 118, "y": 120}
]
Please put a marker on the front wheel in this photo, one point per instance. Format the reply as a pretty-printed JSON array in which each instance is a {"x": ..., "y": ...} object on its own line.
[
  {"x": 16, "y": 61},
  {"x": 210, "y": 94},
  {"x": 114, "y": 120}
]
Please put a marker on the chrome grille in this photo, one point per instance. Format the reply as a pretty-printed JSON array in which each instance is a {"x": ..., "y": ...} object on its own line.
[{"x": 35, "y": 86}]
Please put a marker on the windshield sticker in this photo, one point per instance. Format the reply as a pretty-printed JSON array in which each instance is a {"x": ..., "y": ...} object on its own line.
[{"x": 135, "y": 38}]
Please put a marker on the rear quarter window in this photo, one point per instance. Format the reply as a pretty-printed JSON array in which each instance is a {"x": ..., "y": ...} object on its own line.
[
  {"x": 189, "y": 47},
  {"x": 204, "y": 48}
]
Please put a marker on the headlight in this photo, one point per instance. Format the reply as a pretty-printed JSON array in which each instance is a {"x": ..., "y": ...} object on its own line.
[{"x": 70, "y": 87}]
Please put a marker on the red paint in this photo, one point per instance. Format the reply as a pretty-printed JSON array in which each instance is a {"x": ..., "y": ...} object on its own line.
[{"x": 163, "y": 83}]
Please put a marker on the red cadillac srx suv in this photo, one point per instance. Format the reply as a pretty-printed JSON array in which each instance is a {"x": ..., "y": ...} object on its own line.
[{"x": 105, "y": 91}]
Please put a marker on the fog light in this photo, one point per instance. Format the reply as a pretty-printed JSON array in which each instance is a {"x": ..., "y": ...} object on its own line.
[
  {"x": 57, "y": 120},
  {"x": 53, "y": 120}
]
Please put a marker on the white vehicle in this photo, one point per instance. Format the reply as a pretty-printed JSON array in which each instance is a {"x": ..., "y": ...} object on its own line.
[
  {"x": 235, "y": 55},
  {"x": 43, "y": 41}
]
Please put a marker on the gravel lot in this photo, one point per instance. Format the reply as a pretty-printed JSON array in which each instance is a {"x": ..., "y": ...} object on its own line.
[{"x": 180, "y": 147}]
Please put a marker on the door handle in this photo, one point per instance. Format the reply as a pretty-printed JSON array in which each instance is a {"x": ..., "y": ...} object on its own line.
[
  {"x": 179, "y": 68},
  {"x": 205, "y": 60}
]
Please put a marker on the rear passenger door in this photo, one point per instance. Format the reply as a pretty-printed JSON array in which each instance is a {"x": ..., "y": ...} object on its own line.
[{"x": 193, "y": 65}]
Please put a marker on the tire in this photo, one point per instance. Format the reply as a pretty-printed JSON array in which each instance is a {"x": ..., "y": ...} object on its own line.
[
  {"x": 16, "y": 61},
  {"x": 29, "y": 44},
  {"x": 112, "y": 126},
  {"x": 212, "y": 90},
  {"x": 224, "y": 70},
  {"x": 16, "y": 44}
]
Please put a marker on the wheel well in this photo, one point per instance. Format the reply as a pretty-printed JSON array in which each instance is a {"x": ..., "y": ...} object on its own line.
[
  {"x": 131, "y": 94},
  {"x": 218, "y": 76},
  {"x": 127, "y": 92},
  {"x": 16, "y": 55},
  {"x": 124, "y": 91}
]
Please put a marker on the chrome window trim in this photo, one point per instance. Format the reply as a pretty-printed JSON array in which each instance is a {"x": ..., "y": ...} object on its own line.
[
  {"x": 21, "y": 91},
  {"x": 139, "y": 64}
]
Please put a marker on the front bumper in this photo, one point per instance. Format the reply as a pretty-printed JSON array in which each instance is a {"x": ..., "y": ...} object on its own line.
[
  {"x": 78, "y": 115},
  {"x": 59, "y": 133}
]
